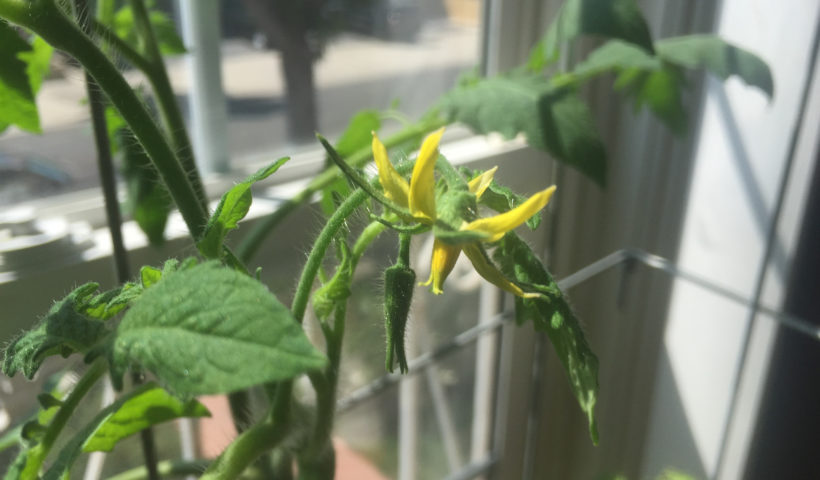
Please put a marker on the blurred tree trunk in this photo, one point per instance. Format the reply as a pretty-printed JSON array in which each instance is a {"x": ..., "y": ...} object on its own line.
[{"x": 283, "y": 22}]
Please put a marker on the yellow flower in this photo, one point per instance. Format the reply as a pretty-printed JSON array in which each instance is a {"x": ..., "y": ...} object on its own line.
[{"x": 419, "y": 197}]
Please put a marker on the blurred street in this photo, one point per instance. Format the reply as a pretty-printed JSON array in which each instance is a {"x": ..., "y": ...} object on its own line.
[{"x": 355, "y": 72}]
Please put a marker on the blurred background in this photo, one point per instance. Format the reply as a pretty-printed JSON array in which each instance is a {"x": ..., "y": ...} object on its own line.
[{"x": 694, "y": 269}]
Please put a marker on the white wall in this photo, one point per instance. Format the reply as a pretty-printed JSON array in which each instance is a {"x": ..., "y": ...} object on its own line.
[{"x": 741, "y": 151}]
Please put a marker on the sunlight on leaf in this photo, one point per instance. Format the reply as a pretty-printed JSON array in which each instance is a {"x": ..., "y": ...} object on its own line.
[
  {"x": 142, "y": 411},
  {"x": 554, "y": 120},
  {"x": 210, "y": 329},
  {"x": 16, "y": 95}
]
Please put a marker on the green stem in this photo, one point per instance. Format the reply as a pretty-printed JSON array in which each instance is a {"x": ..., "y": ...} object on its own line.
[
  {"x": 44, "y": 18},
  {"x": 122, "y": 47},
  {"x": 39, "y": 453},
  {"x": 255, "y": 441},
  {"x": 166, "y": 468},
  {"x": 317, "y": 254},
  {"x": 325, "y": 385},
  {"x": 171, "y": 115},
  {"x": 368, "y": 236},
  {"x": 254, "y": 240},
  {"x": 404, "y": 250},
  {"x": 105, "y": 165}
]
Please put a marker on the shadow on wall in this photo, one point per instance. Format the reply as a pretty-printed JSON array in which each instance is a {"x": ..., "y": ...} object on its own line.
[{"x": 675, "y": 447}]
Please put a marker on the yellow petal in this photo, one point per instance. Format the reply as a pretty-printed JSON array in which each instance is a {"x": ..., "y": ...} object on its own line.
[
  {"x": 487, "y": 270},
  {"x": 444, "y": 259},
  {"x": 496, "y": 226},
  {"x": 481, "y": 182},
  {"x": 422, "y": 184},
  {"x": 395, "y": 187}
]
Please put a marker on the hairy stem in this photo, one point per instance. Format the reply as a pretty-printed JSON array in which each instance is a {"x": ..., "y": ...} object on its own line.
[
  {"x": 105, "y": 165},
  {"x": 39, "y": 453},
  {"x": 255, "y": 441},
  {"x": 317, "y": 253},
  {"x": 46, "y": 19},
  {"x": 171, "y": 115},
  {"x": 368, "y": 236}
]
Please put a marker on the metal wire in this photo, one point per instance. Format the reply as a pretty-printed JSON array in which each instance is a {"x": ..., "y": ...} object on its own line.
[
  {"x": 473, "y": 469},
  {"x": 586, "y": 273}
]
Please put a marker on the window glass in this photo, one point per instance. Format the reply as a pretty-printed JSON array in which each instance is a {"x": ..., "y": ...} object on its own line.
[{"x": 360, "y": 54}]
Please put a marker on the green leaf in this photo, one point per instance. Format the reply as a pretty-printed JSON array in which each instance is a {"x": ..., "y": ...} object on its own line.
[
  {"x": 111, "y": 302},
  {"x": 648, "y": 79},
  {"x": 232, "y": 208},
  {"x": 63, "y": 330},
  {"x": 138, "y": 401},
  {"x": 554, "y": 316},
  {"x": 148, "y": 202},
  {"x": 661, "y": 90},
  {"x": 554, "y": 120},
  {"x": 142, "y": 411},
  {"x": 614, "y": 55},
  {"x": 15, "y": 470},
  {"x": 166, "y": 34},
  {"x": 149, "y": 276},
  {"x": 357, "y": 135},
  {"x": 621, "y": 19},
  {"x": 16, "y": 95},
  {"x": 164, "y": 31},
  {"x": 38, "y": 61},
  {"x": 718, "y": 57},
  {"x": 210, "y": 329}
]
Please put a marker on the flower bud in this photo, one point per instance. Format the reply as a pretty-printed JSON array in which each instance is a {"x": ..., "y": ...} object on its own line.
[{"x": 399, "y": 281}]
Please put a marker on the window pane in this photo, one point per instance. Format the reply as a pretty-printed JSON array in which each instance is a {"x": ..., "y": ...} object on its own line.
[{"x": 360, "y": 53}]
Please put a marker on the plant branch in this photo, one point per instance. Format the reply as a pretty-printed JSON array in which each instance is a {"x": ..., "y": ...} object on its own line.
[
  {"x": 44, "y": 18},
  {"x": 317, "y": 253},
  {"x": 255, "y": 441},
  {"x": 128, "y": 52},
  {"x": 171, "y": 115},
  {"x": 41, "y": 450},
  {"x": 105, "y": 165}
]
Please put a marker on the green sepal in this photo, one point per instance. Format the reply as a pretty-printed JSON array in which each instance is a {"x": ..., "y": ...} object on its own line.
[
  {"x": 361, "y": 182},
  {"x": 501, "y": 198},
  {"x": 411, "y": 229}
]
